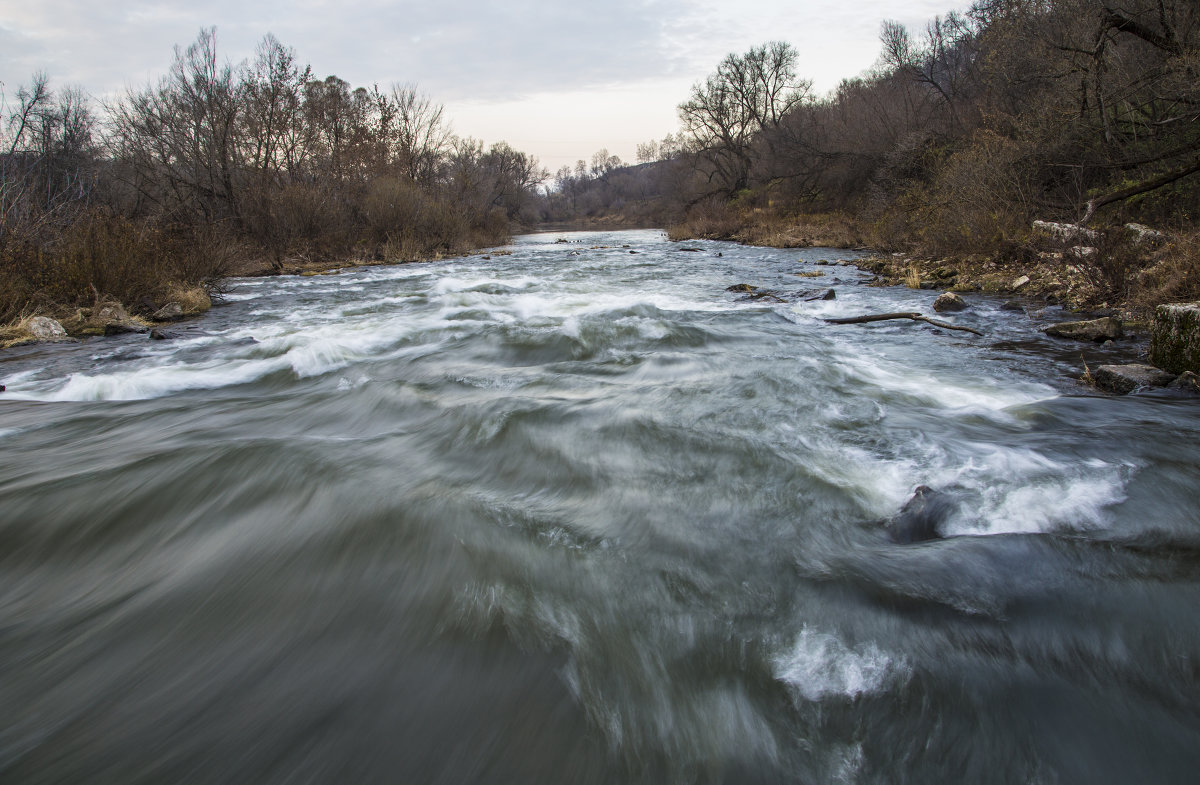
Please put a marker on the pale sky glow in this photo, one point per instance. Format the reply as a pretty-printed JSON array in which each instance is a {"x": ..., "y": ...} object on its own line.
[{"x": 559, "y": 80}]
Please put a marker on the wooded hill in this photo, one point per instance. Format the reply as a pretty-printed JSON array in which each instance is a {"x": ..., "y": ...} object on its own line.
[
  {"x": 221, "y": 168},
  {"x": 1084, "y": 112}
]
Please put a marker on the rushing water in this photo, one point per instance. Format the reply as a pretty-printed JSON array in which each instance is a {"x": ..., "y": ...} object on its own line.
[{"x": 577, "y": 514}]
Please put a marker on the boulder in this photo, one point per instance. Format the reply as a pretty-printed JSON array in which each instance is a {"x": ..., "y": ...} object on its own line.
[
  {"x": 45, "y": 329},
  {"x": 1188, "y": 382},
  {"x": 741, "y": 287},
  {"x": 1175, "y": 337},
  {"x": 1018, "y": 283},
  {"x": 949, "y": 302},
  {"x": 1144, "y": 235},
  {"x": 1061, "y": 231},
  {"x": 171, "y": 312},
  {"x": 110, "y": 312},
  {"x": 163, "y": 335},
  {"x": 120, "y": 328},
  {"x": 1124, "y": 379},
  {"x": 1013, "y": 305},
  {"x": 921, "y": 517},
  {"x": 1095, "y": 330}
]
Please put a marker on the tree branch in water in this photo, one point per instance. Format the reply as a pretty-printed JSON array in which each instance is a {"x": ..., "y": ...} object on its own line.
[{"x": 880, "y": 317}]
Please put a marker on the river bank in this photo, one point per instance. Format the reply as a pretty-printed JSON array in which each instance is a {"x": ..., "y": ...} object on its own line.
[{"x": 1126, "y": 270}]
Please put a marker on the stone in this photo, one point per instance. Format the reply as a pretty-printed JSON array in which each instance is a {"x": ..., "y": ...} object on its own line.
[
  {"x": 1188, "y": 382},
  {"x": 921, "y": 517},
  {"x": 741, "y": 287},
  {"x": 829, "y": 295},
  {"x": 1175, "y": 337},
  {"x": 46, "y": 330},
  {"x": 120, "y": 328},
  {"x": 1063, "y": 231},
  {"x": 1017, "y": 284},
  {"x": 1095, "y": 330},
  {"x": 1124, "y": 379},
  {"x": 1144, "y": 235},
  {"x": 110, "y": 312},
  {"x": 171, "y": 312},
  {"x": 1013, "y": 305},
  {"x": 163, "y": 335},
  {"x": 949, "y": 302}
]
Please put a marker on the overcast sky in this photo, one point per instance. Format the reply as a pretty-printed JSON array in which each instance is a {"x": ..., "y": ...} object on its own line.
[{"x": 559, "y": 80}]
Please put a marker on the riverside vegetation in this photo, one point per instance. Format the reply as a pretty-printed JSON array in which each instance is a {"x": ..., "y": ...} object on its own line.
[
  {"x": 1018, "y": 138},
  {"x": 1021, "y": 145},
  {"x": 222, "y": 169}
]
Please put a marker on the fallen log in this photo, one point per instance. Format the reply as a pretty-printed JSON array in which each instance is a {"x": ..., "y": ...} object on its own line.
[{"x": 916, "y": 317}]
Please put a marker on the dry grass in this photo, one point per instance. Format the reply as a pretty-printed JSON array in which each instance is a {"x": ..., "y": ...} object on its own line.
[
  {"x": 192, "y": 299},
  {"x": 1173, "y": 275},
  {"x": 768, "y": 227}
]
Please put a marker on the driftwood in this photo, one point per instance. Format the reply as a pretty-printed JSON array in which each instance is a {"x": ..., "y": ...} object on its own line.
[{"x": 880, "y": 317}]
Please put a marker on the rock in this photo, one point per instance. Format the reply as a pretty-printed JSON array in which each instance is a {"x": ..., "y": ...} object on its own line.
[
  {"x": 928, "y": 284},
  {"x": 829, "y": 295},
  {"x": 120, "y": 328},
  {"x": 949, "y": 302},
  {"x": 110, "y": 312},
  {"x": 945, "y": 273},
  {"x": 1013, "y": 305},
  {"x": 1175, "y": 337},
  {"x": 741, "y": 287},
  {"x": 1095, "y": 330},
  {"x": 921, "y": 516},
  {"x": 1144, "y": 235},
  {"x": 163, "y": 335},
  {"x": 171, "y": 312},
  {"x": 1188, "y": 382},
  {"x": 1124, "y": 379},
  {"x": 46, "y": 330},
  {"x": 1017, "y": 284},
  {"x": 1063, "y": 231}
]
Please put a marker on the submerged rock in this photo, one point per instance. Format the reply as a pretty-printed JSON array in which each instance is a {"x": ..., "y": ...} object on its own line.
[
  {"x": 921, "y": 516},
  {"x": 949, "y": 302},
  {"x": 1175, "y": 337},
  {"x": 163, "y": 335},
  {"x": 1095, "y": 330},
  {"x": 1124, "y": 379}
]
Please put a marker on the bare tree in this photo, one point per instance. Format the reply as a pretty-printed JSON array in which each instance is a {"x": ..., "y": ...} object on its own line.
[
  {"x": 421, "y": 134},
  {"x": 747, "y": 95}
]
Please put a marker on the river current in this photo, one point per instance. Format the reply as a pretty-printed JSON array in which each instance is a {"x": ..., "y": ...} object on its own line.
[{"x": 574, "y": 513}]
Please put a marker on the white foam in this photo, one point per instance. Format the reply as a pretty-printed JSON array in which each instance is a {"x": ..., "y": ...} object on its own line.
[
  {"x": 819, "y": 665},
  {"x": 153, "y": 382}
]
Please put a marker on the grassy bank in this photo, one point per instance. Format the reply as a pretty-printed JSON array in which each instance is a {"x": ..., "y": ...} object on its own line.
[{"x": 1116, "y": 268}]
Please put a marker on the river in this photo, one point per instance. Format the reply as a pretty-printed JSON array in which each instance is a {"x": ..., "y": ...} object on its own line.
[{"x": 575, "y": 513}]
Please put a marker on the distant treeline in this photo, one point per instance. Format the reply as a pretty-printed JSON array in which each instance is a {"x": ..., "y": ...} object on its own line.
[
  {"x": 1082, "y": 111},
  {"x": 220, "y": 168}
]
